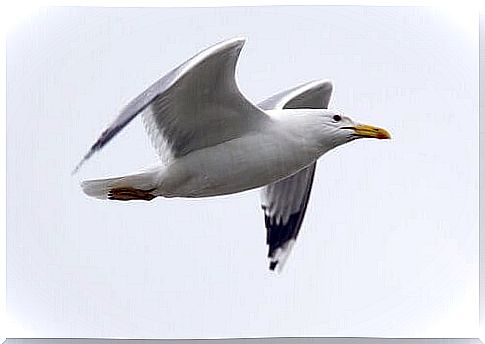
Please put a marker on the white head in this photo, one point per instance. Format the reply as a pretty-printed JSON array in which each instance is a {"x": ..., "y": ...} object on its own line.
[
  {"x": 331, "y": 128},
  {"x": 341, "y": 129}
]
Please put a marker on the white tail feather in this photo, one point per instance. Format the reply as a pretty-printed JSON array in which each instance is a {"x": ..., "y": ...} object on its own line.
[{"x": 99, "y": 188}]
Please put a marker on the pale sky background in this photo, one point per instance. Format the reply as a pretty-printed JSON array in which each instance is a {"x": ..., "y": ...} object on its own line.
[{"x": 389, "y": 246}]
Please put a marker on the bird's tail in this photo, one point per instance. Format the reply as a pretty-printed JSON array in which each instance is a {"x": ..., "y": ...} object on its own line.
[{"x": 102, "y": 188}]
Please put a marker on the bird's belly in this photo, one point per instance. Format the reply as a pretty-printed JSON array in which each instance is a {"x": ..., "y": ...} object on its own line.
[{"x": 235, "y": 166}]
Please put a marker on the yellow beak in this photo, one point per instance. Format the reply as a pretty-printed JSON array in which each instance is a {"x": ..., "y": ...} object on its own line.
[{"x": 372, "y": 132}]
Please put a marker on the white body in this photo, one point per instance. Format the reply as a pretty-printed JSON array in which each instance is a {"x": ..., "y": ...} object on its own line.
[
  {"x": 285, "y": 144},
  {"x": 279, "y": 149}
]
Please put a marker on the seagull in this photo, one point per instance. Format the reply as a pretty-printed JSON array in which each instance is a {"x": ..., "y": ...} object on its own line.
[{"x": 213, "y": 141}]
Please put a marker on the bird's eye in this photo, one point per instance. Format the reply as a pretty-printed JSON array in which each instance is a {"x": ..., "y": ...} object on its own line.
[{"x": 337, "y": 118}]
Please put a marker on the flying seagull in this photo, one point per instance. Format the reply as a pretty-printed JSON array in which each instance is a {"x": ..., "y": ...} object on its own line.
[{"x": 213, "y": 141}]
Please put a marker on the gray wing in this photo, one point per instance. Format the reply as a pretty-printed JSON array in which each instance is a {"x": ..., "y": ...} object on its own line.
[
  {"x": 195, "y": 105},
  {"x": 285, "y": 202}
]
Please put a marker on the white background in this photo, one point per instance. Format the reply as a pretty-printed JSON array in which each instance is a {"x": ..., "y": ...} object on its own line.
[{"x": 389, "y": 246}]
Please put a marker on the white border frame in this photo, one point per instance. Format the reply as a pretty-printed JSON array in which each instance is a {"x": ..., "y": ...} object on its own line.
[{"x": 14, "y": 13}]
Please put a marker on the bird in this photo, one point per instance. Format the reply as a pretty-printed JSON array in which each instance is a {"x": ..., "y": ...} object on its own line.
[{"x": 213, "y": 141}]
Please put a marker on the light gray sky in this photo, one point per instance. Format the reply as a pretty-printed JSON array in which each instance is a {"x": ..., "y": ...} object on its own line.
[{"x": 389, "y": 246}]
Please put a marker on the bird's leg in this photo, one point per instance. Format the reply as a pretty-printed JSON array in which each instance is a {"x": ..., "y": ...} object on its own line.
[{"x": 129, "y": 194}]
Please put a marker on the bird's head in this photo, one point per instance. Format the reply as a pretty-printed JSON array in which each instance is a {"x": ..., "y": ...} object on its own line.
[{"x": 343, "y": 129}]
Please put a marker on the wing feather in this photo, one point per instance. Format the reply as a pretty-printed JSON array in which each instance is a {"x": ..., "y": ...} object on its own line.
[
  {"x": 195, "y": 105},
  {"x": 285, "y": 202}
]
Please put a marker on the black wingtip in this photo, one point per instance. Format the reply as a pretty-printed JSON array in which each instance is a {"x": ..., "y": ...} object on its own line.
[
  {"x": 78, "y": 166},
  {"x": 272, "y": 265},
  {"x": 83, "y": 160}
]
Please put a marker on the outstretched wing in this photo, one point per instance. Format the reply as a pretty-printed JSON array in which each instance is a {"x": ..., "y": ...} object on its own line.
[
  {"x": 195, "y": 105},
  {"x": 285, "y": 202}
]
